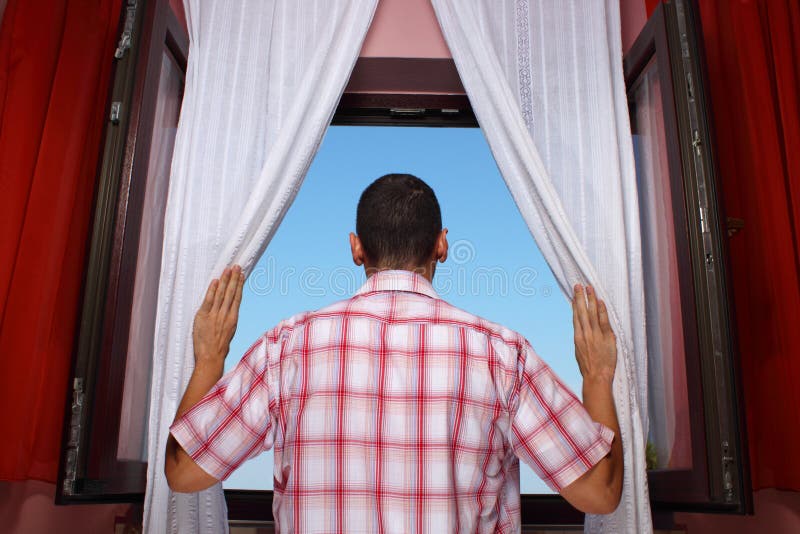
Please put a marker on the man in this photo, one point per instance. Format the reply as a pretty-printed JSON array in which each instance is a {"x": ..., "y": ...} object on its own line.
[{"x": 393, "y": 410}]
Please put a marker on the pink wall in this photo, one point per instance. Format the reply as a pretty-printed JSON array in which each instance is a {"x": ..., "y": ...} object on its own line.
[
  {"x": 405, "y": 28},
  {"x": 27, "y": 508}
]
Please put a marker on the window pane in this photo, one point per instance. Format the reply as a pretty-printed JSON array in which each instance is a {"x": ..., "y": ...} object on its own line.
[
  {"x": 669, "y": 442},
  {"x": 136, "y": 394},
  {"x": 494, "y": 268}
]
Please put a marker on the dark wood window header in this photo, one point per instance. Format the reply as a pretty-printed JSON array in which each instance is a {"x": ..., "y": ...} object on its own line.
[
  {"x": 405, "y": 91},
  {"x": 405, "y": 75}
]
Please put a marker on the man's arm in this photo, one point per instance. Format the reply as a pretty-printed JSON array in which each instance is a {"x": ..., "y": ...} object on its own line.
[
  {"x": 214, "y": 326},
  {"x": 598, "y": 490}
]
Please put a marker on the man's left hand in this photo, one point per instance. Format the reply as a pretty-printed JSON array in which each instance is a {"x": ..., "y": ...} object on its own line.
[{"x": 216, "y": 320}]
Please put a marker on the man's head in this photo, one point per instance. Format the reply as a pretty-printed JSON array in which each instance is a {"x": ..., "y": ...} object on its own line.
[{"x": 399, "y": 226}]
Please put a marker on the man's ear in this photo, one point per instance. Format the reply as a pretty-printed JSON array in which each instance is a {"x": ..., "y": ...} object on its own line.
[
  {"x": 441, "y": 246},
  {"x": 356, "y": 249}
]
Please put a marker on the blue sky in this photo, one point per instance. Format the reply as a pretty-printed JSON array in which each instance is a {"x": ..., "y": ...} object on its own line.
[{"x": 494, "y": 270}]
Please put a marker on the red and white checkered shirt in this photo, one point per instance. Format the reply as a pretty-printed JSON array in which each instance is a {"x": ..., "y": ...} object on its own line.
[{"x": 394, "y": 411}]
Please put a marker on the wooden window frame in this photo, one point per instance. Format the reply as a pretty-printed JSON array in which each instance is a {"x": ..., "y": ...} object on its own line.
[{"x": 89, "y": 469}]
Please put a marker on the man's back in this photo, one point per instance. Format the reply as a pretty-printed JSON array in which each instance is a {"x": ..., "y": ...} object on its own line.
[{"x": 394, "y": 411}]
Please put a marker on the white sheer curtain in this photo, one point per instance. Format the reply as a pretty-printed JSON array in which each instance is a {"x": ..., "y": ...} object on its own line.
[
  {"x": 545, "y": 80},
  {"x": 262, "y": 83}
]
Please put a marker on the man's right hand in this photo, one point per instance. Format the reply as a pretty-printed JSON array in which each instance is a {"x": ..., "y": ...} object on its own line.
[{"x": 216, "y": 320}]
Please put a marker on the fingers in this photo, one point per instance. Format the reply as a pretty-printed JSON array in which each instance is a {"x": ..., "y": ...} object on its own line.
[
  {"x": 221, "y": 289},
  {"x": 208, "y": 301},
  {"x": 602, "y": 317},
  {"x": 230, "y": 289},
  {"x": 580, "y": 306},
  {"x": 591, "y": 307},
  {"x": 576, "y": 323},
  {"x": 237, "y": 299}
]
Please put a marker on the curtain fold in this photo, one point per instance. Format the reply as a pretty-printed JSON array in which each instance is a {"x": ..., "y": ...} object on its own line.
[
  {"x": 262, "y": 83},
  {"x": 55, "y": 67},
  {"x": 545, "y": 80}
]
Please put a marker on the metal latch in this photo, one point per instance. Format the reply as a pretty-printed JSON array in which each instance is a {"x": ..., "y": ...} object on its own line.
[
  {"x": 704, "y": 228},
  {"x": 696, "y": 142},
  {"x": 407, "y": 112},
  {"x": 127, "y": 30},
  {"x": 74, "y": 437},
  {"x": 113, "y": 116}
]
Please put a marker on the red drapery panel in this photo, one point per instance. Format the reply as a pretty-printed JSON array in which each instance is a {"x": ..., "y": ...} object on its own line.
[
  {"x": 55, "y": 64},
  {"x": 753, "y": 53}
]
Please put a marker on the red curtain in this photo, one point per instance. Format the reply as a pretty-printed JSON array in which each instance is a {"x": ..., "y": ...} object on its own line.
[
  {"x": 753, "y": 54},
  {"x": 55, "y": 65}
]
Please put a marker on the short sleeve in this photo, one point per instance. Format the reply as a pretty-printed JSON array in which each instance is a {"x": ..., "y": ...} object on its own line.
[
  {"x": 235, "y": 420},
  {"x": 551, "y": 431}
]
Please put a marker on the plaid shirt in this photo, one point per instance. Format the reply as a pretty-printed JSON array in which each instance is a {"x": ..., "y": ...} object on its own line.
[{"x": 394, "y": 411}]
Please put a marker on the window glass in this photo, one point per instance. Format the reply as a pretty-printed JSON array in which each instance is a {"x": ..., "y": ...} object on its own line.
[
  {"x": 132, "y": 443},
  {"x": 669, "y": 441},
  {"x": 494, "y": 268}
]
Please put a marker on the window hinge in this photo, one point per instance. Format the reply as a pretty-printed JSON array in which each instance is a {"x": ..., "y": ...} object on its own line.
[
  {"x": 113, "y": 116},
  {"x": 74, "y": 438},
  {"x": 727, "y": 473},
  {"x": 127, "y": 30}
]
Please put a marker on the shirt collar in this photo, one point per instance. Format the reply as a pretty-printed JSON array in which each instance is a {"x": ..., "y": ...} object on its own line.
[{"x": 398, "y": 280}]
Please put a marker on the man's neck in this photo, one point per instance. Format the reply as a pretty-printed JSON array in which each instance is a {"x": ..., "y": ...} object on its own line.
[{"x": 425, "y": 272}]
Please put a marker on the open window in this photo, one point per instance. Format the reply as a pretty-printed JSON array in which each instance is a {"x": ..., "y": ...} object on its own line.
[
  {"x": 104, "y": 444},
  {"x": 695, "y": 443}
]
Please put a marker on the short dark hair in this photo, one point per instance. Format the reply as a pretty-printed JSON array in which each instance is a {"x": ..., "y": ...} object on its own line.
[{"x": 398, "y": 220}]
